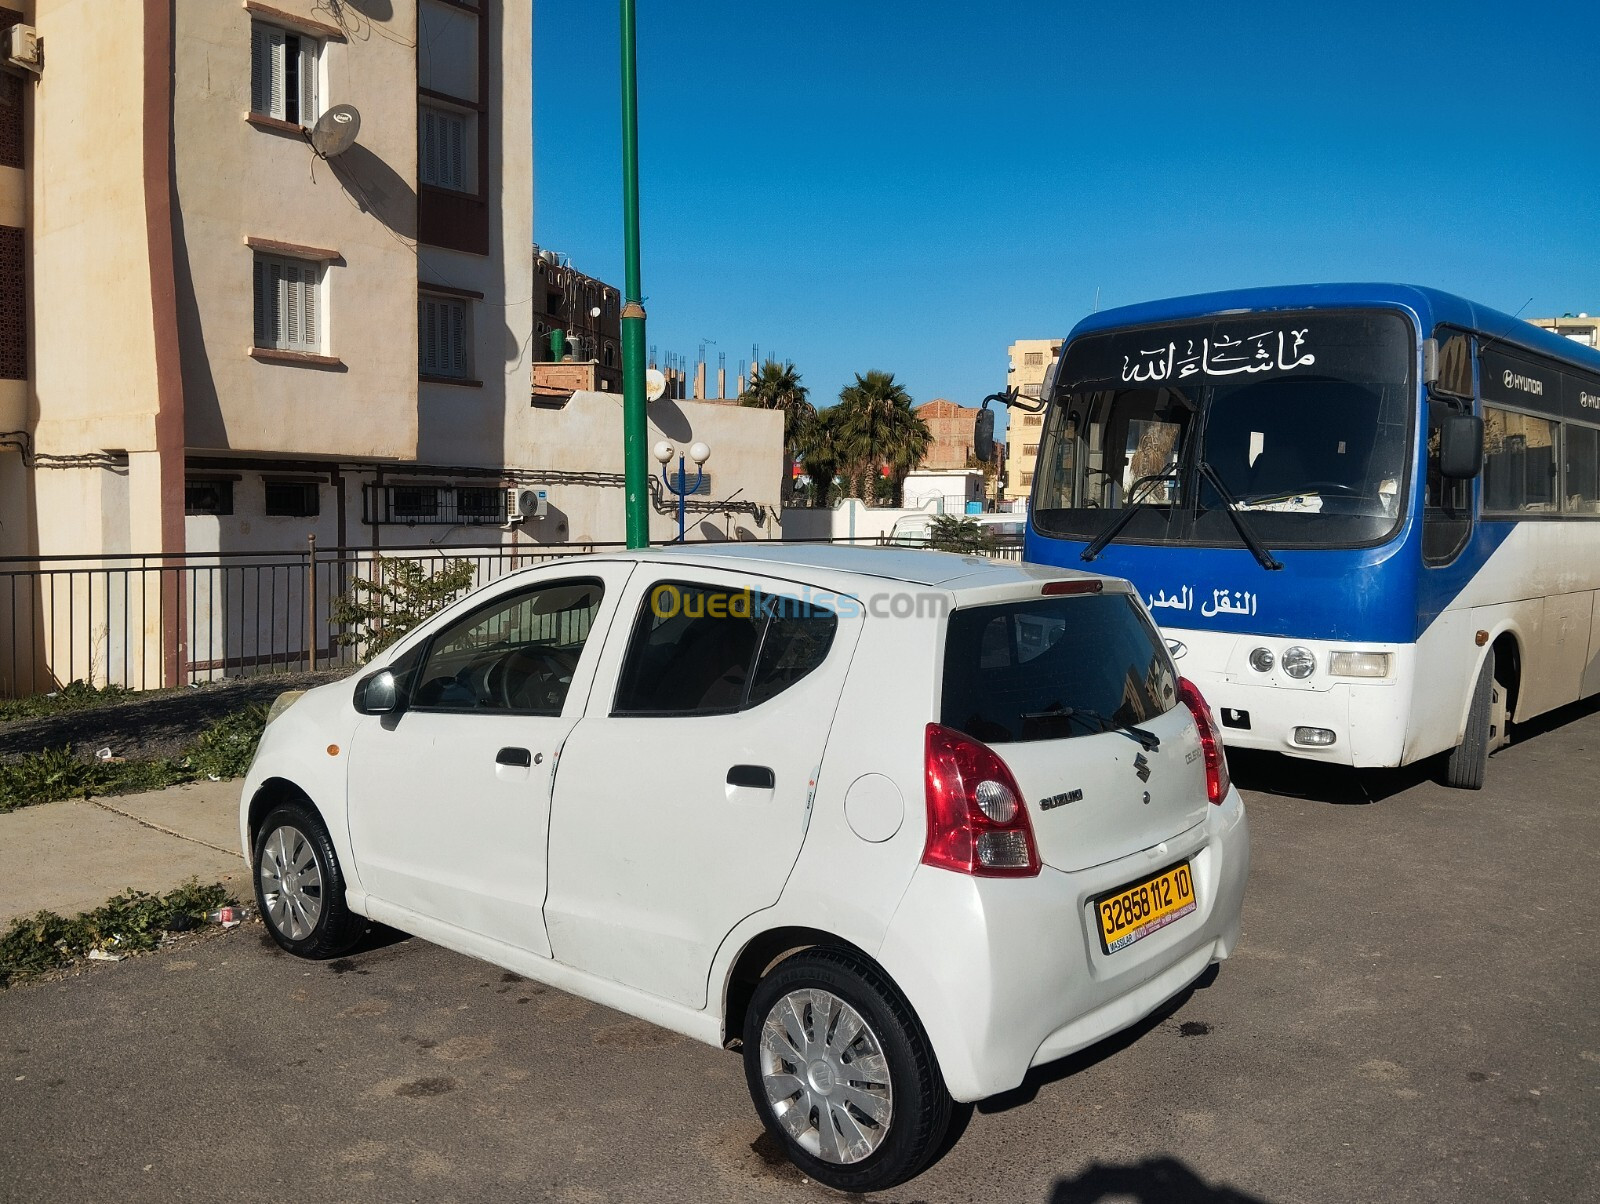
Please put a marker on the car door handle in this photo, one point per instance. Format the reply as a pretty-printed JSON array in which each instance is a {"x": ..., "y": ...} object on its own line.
[
  {"x": 520, "y": 757},
  {"x": 758, "y": 777}
]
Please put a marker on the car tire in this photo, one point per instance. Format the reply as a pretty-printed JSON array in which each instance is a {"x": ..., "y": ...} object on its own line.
[
  {"x": 1469, "y": 761},
  {"x": 842, "y": 1074},
  {"x": 300, "y": 887}
]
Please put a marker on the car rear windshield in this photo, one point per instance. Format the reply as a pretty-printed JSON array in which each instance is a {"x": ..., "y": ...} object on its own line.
[{"x": 1054, "y": 667}]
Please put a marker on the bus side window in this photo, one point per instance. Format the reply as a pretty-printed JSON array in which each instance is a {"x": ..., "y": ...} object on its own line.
[{"x": 1447, "y": 508}]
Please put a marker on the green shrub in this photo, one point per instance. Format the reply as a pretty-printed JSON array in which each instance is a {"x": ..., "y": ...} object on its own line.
[
  {"x": 226, "y": 748},
  {"x": 130, "y": 922},
  {"x": 401, "y": 594},
  {"x": 953, "y": 533},
  {"x": 74, "y": 696}
]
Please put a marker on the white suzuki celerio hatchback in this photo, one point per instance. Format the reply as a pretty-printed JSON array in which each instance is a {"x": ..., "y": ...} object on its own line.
[{"x": 897, "y": 824}]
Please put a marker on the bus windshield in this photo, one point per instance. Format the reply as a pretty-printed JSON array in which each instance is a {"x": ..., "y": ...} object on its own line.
[{"x": 1303, "y": 417}]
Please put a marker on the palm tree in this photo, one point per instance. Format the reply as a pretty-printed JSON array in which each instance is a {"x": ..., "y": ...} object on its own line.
[
  {"x": 777, "y": 387},
  {"x": 875, "y": 429},
  {"x": 819, "y": 453}
]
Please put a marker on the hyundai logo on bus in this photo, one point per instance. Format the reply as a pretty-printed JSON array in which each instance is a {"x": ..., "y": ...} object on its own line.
[
  {"x": 1589, "y": 401},
  {"x": 1528, "y": 384}
]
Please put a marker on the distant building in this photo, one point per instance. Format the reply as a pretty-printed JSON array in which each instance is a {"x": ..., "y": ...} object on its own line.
[
  {"x": 951, "y": 427},
  {"x": 1031, "y": 359},
  {"x": 1580, "y": 328},
  {"x": 577, "y": 323}
]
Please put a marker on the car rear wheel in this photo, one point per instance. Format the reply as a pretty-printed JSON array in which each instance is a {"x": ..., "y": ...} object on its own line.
[
  {"x": 842, "y": 1074},
  {"x": 299, "y": 886}
]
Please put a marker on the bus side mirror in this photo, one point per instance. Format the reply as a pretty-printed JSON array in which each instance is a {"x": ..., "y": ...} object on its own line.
[
  {"x": 983, "y": 436},
  {"x": 1461, "y": 447}
]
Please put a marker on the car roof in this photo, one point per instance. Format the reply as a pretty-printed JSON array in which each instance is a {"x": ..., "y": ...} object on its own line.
[{"x": 915, "y": 566}]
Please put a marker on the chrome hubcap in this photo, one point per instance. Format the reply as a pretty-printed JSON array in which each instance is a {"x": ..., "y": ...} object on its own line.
[
  {"x": 826, "y": 1076},
  {"x": 291, "y": 883}
]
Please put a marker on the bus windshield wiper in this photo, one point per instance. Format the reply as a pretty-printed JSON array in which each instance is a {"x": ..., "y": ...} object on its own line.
[
  {"x": 1096, "y": 722},
  {"x": 1133, "y": 506},
  {"x": 1230, "y": 504}
]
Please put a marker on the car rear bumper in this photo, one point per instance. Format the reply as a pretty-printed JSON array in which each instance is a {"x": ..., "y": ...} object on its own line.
[{"x": 1006, "y": 974}]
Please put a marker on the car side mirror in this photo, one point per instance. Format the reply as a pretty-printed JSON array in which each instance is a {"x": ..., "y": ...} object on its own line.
[
  {"x": 983, "y": 436},
  {"x": 1461, "y": 447},
  {"x": 377, "y": 694}
]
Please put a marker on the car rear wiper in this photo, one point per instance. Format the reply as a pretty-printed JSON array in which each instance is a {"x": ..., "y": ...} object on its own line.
[
  {"x": 1146, "y": 739},
  {"x": 1230, "y": 504},
  {"x": 1132, "y": 507}
]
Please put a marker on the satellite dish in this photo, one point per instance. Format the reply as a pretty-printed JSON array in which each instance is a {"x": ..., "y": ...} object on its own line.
[
  {"x": 655, "y": 384},
  {"x": 335, "y": 131}
]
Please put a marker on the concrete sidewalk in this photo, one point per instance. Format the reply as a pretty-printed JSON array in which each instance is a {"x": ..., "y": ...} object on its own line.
[{"x": 69, "y": 857}]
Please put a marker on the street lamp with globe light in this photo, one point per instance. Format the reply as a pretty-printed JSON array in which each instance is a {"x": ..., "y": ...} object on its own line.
[{"x": 699, "y": 453}]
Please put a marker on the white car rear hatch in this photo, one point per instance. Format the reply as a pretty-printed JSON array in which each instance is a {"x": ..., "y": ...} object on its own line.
[{"x": 1072, "y": 687}]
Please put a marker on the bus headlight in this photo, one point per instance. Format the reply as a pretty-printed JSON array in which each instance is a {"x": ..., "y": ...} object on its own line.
[
  {"x": 1298, "y": 662},
  {"x": 1261, "y": 660},
  {"x": 1359, "y": 664}
]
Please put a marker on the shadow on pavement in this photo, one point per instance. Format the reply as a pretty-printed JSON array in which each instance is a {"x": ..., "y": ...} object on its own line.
[
  {"x": 1054, "y": 1072},
  {"x": 1153, "y": 1181},
  {"x": 1339, "y": 785}
]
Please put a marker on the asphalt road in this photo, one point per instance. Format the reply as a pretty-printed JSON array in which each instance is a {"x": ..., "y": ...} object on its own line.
[{"x": 1412, "y": 1015}]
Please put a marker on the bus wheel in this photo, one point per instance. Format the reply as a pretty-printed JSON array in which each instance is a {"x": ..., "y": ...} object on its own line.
[{"x": 1486, "y": 731}]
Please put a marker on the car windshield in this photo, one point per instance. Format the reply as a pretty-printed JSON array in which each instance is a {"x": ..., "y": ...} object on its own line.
[
  {"x": 1053, "y": 667},
  {"x": 1303, "y": 419}
]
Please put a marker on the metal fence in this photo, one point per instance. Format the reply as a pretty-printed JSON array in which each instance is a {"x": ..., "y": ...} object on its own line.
[{"x": 148, "y": 621}]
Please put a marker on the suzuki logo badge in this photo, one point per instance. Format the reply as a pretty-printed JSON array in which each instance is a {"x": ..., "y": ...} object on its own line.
[{"x": 1141, "y": 766}]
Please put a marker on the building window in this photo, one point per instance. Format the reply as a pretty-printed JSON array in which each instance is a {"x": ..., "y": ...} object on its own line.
[
  {"x": 283, "y": 74},
  {"x": 13, "y": 304},
  {"x": 1027, "y": 478},
  {"x": 446, "y": 141},
  {"x": 444, "y": 337},
  {"x": 288, "y": 303},
  {"x": 292, "y": 499},
  {"x": 1030, "y": 449},
  {"x": 440, "y": 505},
  {"x": 1032, "y": 419},
  {"x": 1033, "y": 359},
  {"x": 202, "y": 496}
]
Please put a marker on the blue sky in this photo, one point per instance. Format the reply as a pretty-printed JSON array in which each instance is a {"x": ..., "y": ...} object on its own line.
[{"x": 912, "y": 187}]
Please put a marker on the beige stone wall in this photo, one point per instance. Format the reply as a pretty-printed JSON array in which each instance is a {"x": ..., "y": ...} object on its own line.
[{"x": 237, "y": 180}]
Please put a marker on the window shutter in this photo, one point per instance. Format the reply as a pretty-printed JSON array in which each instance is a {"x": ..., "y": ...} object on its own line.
[
  {"x": 260, "y": 70},
  {"x": 458, "y": 341},
  {"x": 275, "y": 74},
  {"x": 275, "y": 288},
  {"x": 308, "y": 81},
  {"x": 308, "y": 290},
  {"x": 457, "y": 175},
  {"x": 263, "y": 307},
  {"x": 430, "y": 144}
]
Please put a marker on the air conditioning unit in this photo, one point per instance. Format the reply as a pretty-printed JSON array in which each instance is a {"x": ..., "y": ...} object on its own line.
[
  {"x": 527, "y": 503},
  {"x": 24, "y": 48}
]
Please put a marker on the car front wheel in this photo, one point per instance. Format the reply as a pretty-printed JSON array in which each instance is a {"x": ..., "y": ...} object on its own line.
[
  {"x": 842, "y": 1074},
  {"x": 299, "y": 886}
]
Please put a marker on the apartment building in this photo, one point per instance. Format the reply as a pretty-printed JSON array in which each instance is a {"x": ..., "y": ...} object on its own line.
[
  {"x": 1031, "y": 360},
  {"x": 951, "y": 426},
  {"x": 222, "y": 334},
  {"x": 1581, "y": 328}
]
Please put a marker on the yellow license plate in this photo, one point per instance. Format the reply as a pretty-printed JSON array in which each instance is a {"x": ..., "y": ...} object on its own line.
[{"x": 1131, "y": 913}]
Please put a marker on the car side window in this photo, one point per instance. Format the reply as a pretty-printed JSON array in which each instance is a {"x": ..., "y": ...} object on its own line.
[
  {"x": 516, "y": 654},
  {"x": 702, "y": 650}
]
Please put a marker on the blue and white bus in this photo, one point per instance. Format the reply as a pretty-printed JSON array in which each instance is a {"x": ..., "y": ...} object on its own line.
[{"x": 1367, "y": 516}]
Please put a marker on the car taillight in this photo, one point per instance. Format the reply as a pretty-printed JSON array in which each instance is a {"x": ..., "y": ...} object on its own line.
[
  {"x": 1217, "y": 780},
  {"x": 977, "y": 823}
]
